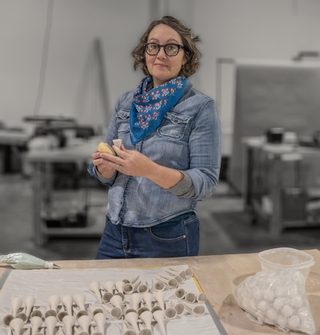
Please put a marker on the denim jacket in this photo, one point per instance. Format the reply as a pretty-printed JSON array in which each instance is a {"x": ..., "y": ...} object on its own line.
[{"x": 188, "y": 139}]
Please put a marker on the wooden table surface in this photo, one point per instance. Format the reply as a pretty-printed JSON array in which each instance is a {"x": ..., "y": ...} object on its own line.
[{"x": 218, "y": 276}]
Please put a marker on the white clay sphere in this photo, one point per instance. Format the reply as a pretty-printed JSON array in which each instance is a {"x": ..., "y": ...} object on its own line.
[
  {"x": 263, "y": 305},
  {"x": 279, "y": 303},
  {"x": 303, "y": 312},
  {"x": 287, "y": 310},
  {"x": 269, "y": 296},
  {"x": 293, "y": 291},
  {"x": 252, "y": 304},
  {"x": 257, "y": 295},
  {"x": 296, "y": 302},
  {"x": 280, "y": 291},
  {"x": 272, "y": 314},
  {"x": 282, "y": 321},
  {"x": 294, "y": 322}
]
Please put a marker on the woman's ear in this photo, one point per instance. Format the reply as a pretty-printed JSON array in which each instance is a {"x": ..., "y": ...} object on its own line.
[{"x": 185, "y": 58}]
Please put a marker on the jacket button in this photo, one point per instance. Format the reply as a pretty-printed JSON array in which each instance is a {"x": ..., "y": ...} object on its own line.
[
  {"x": 175, "y": 120},
  {"x": 121, "y": 203}
]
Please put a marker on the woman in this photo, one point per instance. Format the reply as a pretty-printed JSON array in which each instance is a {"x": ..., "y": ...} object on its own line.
[{"x": 171, "y": 152}]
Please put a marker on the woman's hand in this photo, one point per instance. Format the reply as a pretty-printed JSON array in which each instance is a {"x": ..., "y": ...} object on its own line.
[
  {"x": 103, "y": 165},
  {"x": 129, "y": 162},
  {"x": 134, "y": 163}
]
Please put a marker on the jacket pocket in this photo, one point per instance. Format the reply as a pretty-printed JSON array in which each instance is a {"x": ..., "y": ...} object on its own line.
[
  {"x": 123, "y": 121},
  {"x": 173, "y": 125}
]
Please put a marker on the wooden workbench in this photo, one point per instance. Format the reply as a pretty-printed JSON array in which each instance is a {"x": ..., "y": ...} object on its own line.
[{"x": 218, "y": 276}]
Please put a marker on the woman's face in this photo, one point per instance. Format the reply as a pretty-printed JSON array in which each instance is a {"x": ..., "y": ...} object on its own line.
[{"x": 162, "y": 67}]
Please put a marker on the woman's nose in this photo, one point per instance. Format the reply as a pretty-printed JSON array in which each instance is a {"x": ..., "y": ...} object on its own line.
[{"x": 161, "y": 53}]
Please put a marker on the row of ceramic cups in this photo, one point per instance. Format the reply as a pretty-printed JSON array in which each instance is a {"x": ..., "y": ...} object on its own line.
[
  {"x": 172, "y": 279},
  {"x": 85, "y": 325},
  {"x": 158, "y": 312},
  {"x": 16, "y": 319},
  {"x": 129, "y": 286},
  {"x": 147, "y": 308}
]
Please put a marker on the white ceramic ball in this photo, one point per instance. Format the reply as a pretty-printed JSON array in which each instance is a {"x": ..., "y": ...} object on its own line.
[
  {"x": 263, "y": 305},
  {"x": 293, "y": 291},
  {"x": 294, "y": 322},
  {"x": 296, "y": 302},
  {"x": 282, "y": 321},
  {"x": 269, "y": 296},
  {"x": 287, "y": 310},
  {"x": 279, "y": 303},
  {"x": 272, "y": 314},
  {"x": 257, "y": 295},
  {"x": 280, "y": 291},
  {"x": 303, "y": 312},
  {"x": 252, "y": 304}
]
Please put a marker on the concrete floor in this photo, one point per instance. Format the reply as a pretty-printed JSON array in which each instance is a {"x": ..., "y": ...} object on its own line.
[{"x": 225, "y": 228}]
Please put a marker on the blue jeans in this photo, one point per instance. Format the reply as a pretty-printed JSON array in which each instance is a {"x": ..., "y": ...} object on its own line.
[{"x": 177, "y": 237}]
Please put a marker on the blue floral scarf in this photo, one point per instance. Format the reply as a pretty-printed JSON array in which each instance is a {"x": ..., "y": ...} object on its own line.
[{"x": 149, "y": 107}]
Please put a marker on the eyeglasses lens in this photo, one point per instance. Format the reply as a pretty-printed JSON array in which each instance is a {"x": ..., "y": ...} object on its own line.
[{"x": 170, "y": 49}]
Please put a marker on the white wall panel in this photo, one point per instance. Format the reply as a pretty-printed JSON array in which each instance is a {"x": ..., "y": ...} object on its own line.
[{"x": 260, "y": 29}]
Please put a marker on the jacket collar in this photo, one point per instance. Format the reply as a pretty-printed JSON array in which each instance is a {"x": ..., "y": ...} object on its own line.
[{"x": 186, "y": 90}]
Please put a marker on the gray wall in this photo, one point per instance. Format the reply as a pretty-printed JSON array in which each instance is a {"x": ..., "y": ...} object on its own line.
[{"x": 261, "y": 29}]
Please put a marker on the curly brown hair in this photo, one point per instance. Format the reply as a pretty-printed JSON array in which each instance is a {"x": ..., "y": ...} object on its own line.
[{"x": 191, "y": 52}]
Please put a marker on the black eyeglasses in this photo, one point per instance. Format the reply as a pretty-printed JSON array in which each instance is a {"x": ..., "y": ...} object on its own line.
[{"x": 170, "y": 50}]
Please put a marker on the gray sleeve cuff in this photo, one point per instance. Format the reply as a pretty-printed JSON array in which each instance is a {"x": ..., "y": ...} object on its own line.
[
  {"x": 102, "y": 178},
  {"x": 184, "y": 188}
]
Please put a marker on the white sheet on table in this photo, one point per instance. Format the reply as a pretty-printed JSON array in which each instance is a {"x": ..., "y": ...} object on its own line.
[{"x": 42, "y": 284}]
